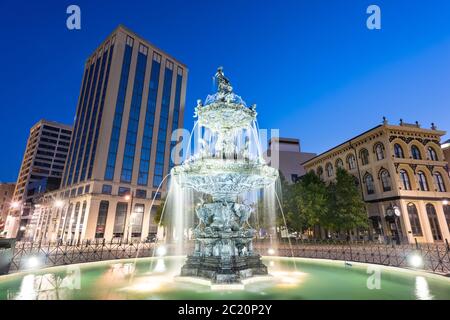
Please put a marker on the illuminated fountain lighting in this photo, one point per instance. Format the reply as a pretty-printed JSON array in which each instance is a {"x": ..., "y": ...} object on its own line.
[{"x": 228, "y": 170}]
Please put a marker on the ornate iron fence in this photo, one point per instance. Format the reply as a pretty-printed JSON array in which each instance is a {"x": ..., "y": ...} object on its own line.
[{"x": 435, "y": 257}]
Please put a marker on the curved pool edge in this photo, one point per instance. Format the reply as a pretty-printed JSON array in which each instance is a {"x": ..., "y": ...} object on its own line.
[{"x": 435, "y": 275}]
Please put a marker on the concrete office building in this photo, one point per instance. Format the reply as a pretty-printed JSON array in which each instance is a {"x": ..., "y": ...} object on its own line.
[
  {"x": 132, "y": 98},
  {"x": 286, "y": 155},
  {"x": 6, "y": 195},
  {"x": 401, "y": 171},
  {"x": 41, "y": 171}
]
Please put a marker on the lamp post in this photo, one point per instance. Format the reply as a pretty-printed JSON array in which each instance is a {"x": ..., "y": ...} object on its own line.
[{"x": 129, "y": 197}]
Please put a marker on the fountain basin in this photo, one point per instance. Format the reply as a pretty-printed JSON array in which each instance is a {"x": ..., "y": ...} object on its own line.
[{"x": 155, "y": 278}]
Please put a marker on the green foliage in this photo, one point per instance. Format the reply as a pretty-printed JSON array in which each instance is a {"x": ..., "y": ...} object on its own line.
[
  {"x": 310, "y": 202},
  {"x": 346, "y": 206},
  {"x": 158, "y": 214}
]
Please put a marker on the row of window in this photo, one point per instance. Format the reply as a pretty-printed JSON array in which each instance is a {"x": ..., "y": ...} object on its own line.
[
  {"x": 386, "y": 183},
  {"x": 415, "y": 153},
  {"x": 122, "y": 191},
  {"x": 119, "y": 227},
  {"x": 416, "y": 226},
  {"x": 380, "y": 155}
]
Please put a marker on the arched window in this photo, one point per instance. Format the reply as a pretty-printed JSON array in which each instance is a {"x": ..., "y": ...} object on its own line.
[
  {"x": 364, "y": 155},
  {"x": 423, "y": 184},
  {"x": 434, "y": 223},
  {"x": 405, "y": 180},
  {"x": 320, "y": 172},
  {"x": 379, "y": 151},
  {"x": 355, "y": 178},
  {"x": 351, "y": 162},
  {"x": 329, "y": 168},
  {"x": 339, "y": 163},
  {"x": 439, "y": 181},
  {"x": 415, "y": 153},
  {"x": 398, "y": 151},
  {"x": 432, "y": 155},
  {"x": 447, "y": 215},
  {"x": 370, "y": 186},
  {"x": 414, "y": 220},
  {"x": 385, "y": 180}
]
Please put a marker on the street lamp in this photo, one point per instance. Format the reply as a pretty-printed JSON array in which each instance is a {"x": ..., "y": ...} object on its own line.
[
  {"x": 445, "y": 202},
  {"x": 15, "y": 205}
]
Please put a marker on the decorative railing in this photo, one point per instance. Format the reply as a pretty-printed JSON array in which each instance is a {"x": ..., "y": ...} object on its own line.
[{"x": 435, "y": 257}]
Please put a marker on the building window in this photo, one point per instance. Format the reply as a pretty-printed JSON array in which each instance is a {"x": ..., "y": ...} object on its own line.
[
  {"x": 101, "y": 220},
  {"x": 439, "y": 181},
  {"x": 133, "y": 120},
  {"x": 294, "y": 177},
  {"x": 385, "y": 180},
  {"x": 100, "y": 112},
  {"x": 118, "y": 113},
  {"x": 379, "y": 151},
  {"x": 447, "y": 215},
  {"x": 156, "y": 195},
  {"x": 432, "y": 155},
  {"x": 320, "y": 172},
  {"x": 107, "y": 189},
  {"x": 141, "y": 194},
  {"x": 415, "y": 153},
  {"x": 351, "y": 162},
  {"x": 405, "y": 180},
  {"x": 398, "y": 151},
  {"x": 119, "y": 221},
  {"x": 414, "y": 220},
  {"x": 123, "y": 191},
  {"x": 370, "y": 186},
  {"x": 137, "y": 218},
  {"x": 423, "y": 184},
  {"x": 163, "y": 126},
  {"x": 329, "y": 169},
  {"x": 434, "y": 223},
  {"x": 339, "y": 163},
  {"x": 176, "y": 115},
  {"x": 146, "y": 147},
  {"x": 364, "y": 155},
  {"x": 87, "y": 188},
  {"x": 130, "y": 41}
]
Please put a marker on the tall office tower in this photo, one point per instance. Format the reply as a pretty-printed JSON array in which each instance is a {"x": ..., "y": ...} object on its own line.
[
  {"x": 131, "y": 100},
  {"x": 41, "y": 171}
]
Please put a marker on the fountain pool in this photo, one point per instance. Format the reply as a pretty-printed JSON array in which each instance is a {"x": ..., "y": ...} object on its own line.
[{"x": 155, "y": 278}]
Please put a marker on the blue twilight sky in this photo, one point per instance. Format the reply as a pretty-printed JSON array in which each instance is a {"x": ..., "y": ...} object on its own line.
[{"x": 314, "y": 69}]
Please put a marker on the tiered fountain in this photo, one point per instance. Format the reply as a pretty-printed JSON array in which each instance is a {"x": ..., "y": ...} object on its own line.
[{"x": 225, "y": 168}]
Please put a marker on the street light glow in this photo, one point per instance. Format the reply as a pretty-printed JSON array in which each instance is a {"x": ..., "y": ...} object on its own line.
[
  {"x": 15, "y": 205},
  {"x": 415, "y": 261},
  {"x": 271, "y": 251},
  {"x": 59, "y": 203},
  {"x": 445, "y": 202},
  {"x": 161, "y": 251},
  {"x": 127, "y": 197},
  {"x": 32, "y": 262}
]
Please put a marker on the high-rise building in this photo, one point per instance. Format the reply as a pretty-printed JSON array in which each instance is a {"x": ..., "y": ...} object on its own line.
[
  {"x": 285, "y": 154},
  {"x": 41, "y": 171},
  {"x": 131, "y": 100},
  {"x": 401, "y": 171},
  {"x": 6, "y": 194}
]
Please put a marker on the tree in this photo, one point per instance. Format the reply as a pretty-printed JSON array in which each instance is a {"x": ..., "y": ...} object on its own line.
[
  {"x": 346, "y": 206},
  {"x": 305, "y": 203},
  {"x": 158, "y": 213}
]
